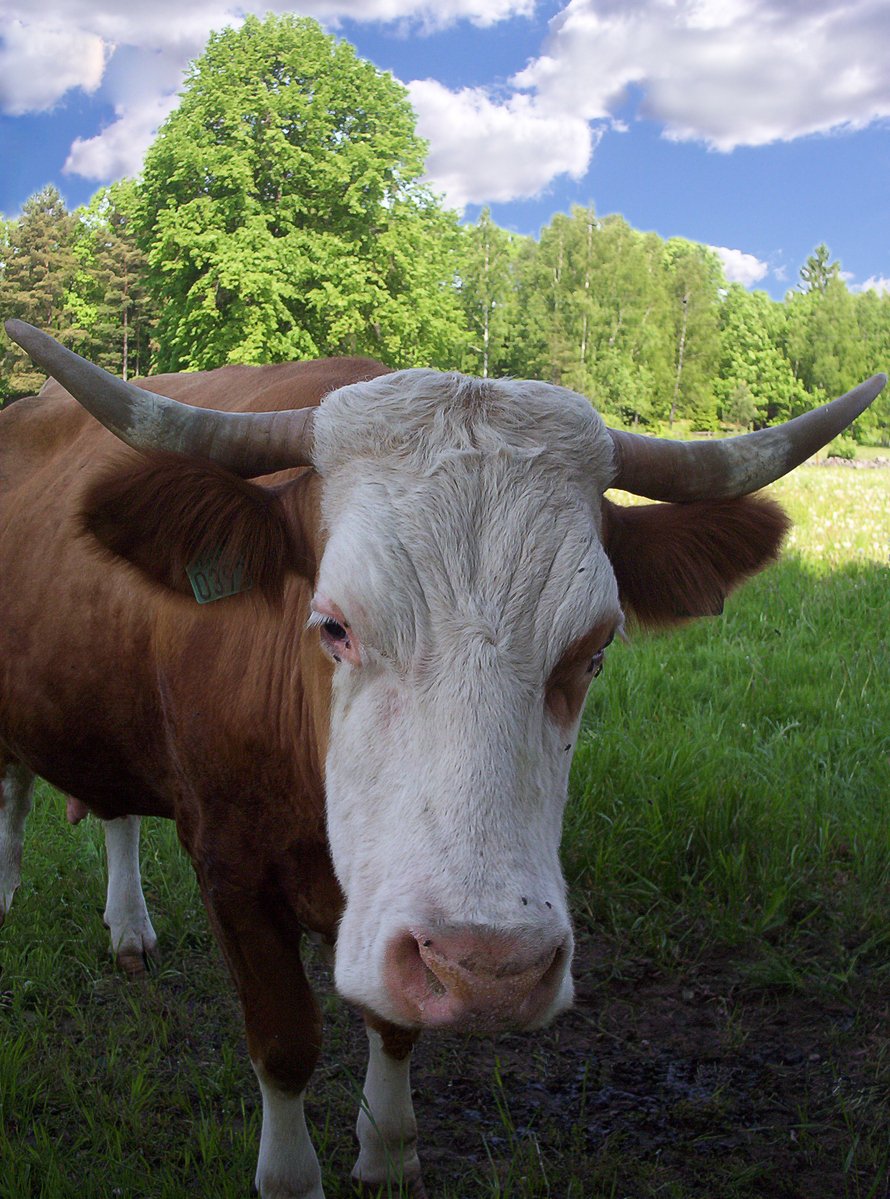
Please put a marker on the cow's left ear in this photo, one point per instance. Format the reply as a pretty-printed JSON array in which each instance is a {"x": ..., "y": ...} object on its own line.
[
  {"x": 162, "y": 512},
  {"x": 677, "y": 561}
]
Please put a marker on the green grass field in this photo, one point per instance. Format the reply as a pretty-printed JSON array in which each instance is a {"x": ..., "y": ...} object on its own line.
[{"x": 727, "y": 839}]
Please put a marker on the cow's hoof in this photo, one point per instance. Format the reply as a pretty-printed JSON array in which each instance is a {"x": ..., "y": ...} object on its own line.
[{"x": 136, "y": 963}]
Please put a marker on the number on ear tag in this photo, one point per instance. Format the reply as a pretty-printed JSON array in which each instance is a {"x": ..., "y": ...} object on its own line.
[{"x": 213, "y": 578}]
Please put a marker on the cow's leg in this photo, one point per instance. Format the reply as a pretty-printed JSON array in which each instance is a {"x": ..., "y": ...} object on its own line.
[
  {"x": 126, "y": 917},
  {"x": 283, "y": 1024},
  {"x": 386, "y": 1128},
  {"x": 16, "y": 790}
]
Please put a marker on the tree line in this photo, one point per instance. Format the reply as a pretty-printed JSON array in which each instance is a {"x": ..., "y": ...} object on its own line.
[{"x": 281, "y": 214}]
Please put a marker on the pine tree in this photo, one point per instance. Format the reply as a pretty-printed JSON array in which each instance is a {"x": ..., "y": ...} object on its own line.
[
  {"x": 39, "y": 270},
  {"x": 817, "y": 272},
  {"x": 113, "y": 302}
]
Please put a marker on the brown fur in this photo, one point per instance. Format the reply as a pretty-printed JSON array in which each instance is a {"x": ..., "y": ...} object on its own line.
[
  {"x": 677, "y": 561},
  {"x": 567, "y": 686},
  {"x": 162, "y": 511}
]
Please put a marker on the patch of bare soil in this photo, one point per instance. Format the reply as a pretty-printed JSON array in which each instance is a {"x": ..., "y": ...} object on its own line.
[{"x": 685, "y": 1086}]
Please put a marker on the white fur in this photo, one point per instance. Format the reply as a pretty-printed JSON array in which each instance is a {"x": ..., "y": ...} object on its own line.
[
  {"x": 126, "y": 916},
  {"x": 460, "y": 515},
  {"x": 386, "y": 1128},
  {"x": 287, "y": 1167},
  {"x": 17, "y": 789}
]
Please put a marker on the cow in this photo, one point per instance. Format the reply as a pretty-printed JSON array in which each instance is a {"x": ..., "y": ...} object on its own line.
[{"x": 366, "y": 736}]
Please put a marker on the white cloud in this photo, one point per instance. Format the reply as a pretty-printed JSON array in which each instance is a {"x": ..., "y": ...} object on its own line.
[
  {"x": 739, "y": 267},
  {"x": 482, "y": 150},
  {"x": 50, "y": 48},
  {"x": 726, "y": 72},
  {"x": 876, "y": 283},
  {"x": 120, "y": 148},
  {"x": 40, "y": 62}
]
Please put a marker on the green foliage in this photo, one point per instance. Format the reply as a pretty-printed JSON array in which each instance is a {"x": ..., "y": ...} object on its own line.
[
  {"x": 753, "y": 368},
  {"x": 282, "y": 213},
  {"x": 593, "y": 304},
  {"x": 38, "y": 275},
  {"x": 488, "y": 264},
  {"x": 112, "y": 301},
  {"x": 695, "y": 279},
  {"x": 817, "y": 272},
  {"x": 842, "y": 447}
]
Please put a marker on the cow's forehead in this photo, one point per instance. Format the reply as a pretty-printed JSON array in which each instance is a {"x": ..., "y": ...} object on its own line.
[
  {"x": 417, "y": 420},
  {"x": 478, "y": 513}
]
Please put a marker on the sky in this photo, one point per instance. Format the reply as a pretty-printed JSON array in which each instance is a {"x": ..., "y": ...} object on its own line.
[{"x": 759, "y": 127}]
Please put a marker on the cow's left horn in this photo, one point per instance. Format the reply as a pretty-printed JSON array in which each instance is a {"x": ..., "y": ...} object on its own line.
[
  {"x": 246, "y": 443},
  {"x": 725, "y": 469}
]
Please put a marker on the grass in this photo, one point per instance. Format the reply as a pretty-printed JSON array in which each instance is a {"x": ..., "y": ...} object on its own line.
[
  {"x": 733, "y": 777},
  {"x": 728, "y": 803}
]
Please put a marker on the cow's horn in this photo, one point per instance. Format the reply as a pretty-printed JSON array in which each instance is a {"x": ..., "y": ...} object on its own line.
[
  {"x": 724, "y": 469},
  {"x": 246, "y": 443}
]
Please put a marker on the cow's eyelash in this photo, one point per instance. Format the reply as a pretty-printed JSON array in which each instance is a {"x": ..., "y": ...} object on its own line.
[{"x": 320, "y": 619}]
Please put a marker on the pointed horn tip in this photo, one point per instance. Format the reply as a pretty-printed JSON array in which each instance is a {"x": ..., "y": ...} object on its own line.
[
  {"x": 17, "y": 329},
  {"x": 29, "y": 337}
]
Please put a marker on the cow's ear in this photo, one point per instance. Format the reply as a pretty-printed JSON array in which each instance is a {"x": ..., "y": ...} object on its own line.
[
  {"x": 677, "y": 561},
  {"x": 165, "y": 512}
]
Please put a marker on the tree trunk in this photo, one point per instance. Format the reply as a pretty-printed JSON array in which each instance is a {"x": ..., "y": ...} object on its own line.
[{"x": 681, "y": 350}]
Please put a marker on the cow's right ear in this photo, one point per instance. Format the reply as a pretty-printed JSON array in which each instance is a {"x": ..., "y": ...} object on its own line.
[
  {"x": 673, "y": 562},
  {"x": 164, "y": 512}
]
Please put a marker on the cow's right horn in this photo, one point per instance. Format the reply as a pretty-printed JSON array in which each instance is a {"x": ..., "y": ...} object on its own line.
[
  {"x": 247, "y": 443},
  {"x": 661, "y": 469}
]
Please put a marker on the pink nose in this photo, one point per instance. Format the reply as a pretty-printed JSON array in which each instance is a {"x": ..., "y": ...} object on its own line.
[{"x": 473, "y": 977}]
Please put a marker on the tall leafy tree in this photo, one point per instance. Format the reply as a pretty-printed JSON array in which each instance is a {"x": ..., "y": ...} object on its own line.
[
  {"x": 695, "y": 281},
  {"x": 488, "y": 295},
  {"x": 283, "y": 214},
  {"x": 755, "y": 383},
  {"x": 873, "y": 323},
  {"x": 39, "y": 270},
  {"x": 824, "y": 340},
  {"x": 596, "y": 314}
]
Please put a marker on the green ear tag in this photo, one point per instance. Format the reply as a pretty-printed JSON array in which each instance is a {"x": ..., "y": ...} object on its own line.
[{"x": 214, "y": 579}]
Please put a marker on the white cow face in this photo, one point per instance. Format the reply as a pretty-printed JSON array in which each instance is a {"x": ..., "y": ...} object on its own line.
[{"x": 466, "y": 601}]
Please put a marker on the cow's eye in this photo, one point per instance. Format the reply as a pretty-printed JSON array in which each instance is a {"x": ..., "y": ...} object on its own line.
[
  {"x": 335, "y": 631},
  {"x": 595, "y": 665}
]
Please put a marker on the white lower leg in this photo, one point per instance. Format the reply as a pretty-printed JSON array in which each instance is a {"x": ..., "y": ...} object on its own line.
[
  {"x": 287, "y": 1167},
  {"x": 386, "y": 1128},
  {"x": 126, "y": 916},
  {"x": 16, "y": 789}
]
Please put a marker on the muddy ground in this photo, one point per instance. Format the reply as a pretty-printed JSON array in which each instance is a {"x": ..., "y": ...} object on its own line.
[{"x": 700, "y": 1082}]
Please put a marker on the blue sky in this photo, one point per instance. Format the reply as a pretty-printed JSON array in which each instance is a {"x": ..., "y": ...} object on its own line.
[{"x": 760, "y": 127}]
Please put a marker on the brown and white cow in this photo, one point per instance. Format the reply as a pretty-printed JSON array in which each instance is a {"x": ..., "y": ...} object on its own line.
[{"x": 371, "y": 744}]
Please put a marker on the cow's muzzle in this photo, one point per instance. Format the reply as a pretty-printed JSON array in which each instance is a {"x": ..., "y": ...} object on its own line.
[{"x": 470, "y": 977}]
